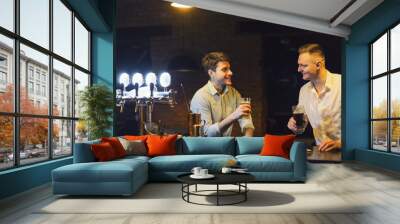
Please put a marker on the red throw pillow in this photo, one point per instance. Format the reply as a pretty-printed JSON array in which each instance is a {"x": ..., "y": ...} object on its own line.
[
  {"x": 116, "y": 145},
  {"x": 161, "y": 145},
  {"x": 103, "y": 152},
  {"x": 136, "y": 137},
  {"x": 277, "y": 145}
]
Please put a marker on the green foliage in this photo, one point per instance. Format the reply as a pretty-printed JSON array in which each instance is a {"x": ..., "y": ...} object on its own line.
[{"x": 97, "y": 103}]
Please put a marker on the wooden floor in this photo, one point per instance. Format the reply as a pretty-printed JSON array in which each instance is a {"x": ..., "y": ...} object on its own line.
[{"x": 378, "y": 189}]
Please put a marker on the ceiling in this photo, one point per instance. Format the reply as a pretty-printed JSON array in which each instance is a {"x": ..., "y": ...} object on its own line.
[{"x": 333, "y": 17}]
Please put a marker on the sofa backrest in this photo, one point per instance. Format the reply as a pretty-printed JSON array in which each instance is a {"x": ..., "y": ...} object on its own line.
[
  {"x": 83, "y": 152},
  {"x": 207, "y": 145},
  {"x": 190, "y": 146},
  {"x": 249, "y": 145}
]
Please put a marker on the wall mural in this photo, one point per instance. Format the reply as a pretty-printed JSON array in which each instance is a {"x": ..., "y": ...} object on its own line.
[{"x": 159, "y": 69}]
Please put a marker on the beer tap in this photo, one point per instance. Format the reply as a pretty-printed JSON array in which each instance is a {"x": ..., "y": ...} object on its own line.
[
  {"x": 136, "y": 88},
  {"x": 172, "y": 98},
  {"x": 122, "y": 104},
  {"x": 122, "y": 90},
  {"x": 151, "y": 90},
  {"x": 145, "y": 95},
  {"x": 136, "y": 105},
  {"x": 136, "y": 98},
  {"x": 119, "y": 99},
  {"x": 150, "y": 126}
]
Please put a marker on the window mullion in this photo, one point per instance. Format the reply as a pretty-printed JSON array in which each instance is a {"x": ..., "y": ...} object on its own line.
[
  {"x": 16, "y": 84},
  {"x": 371, "y": 89},
  {"x": 73, "y": 82},
  {"x": 50, "y": 81},
  {"x": 389, "y": 106}
]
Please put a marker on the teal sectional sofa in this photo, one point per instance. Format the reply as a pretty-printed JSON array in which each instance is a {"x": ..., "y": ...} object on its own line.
[{"x": 125, "y": 176}]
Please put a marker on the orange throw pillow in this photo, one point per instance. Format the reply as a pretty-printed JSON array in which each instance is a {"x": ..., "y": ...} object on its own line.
[
  {"x": 161, "y": 145},
  {"x": 277, "y": 145},
  {"x": 136, "y": 137},
  {"x": 103, "y": 152},
  {"x": 116, "y": 145}
]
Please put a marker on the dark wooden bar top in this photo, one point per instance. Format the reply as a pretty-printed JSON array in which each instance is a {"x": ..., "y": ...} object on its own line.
[{"x": 314, "y": 155}]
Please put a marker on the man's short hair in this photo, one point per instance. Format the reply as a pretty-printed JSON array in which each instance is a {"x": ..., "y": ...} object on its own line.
[
  {"x": 210, "y": 60},
  {"x": 312, "y": 49}
]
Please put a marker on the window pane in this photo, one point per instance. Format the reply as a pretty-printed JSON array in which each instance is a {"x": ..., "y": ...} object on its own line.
[
  {"x": 62, "y": 29},
  {"x": 81, "y": 81},
  {"x": 81, "y": 131},
  {"x": 6, "y": 74},
  {"x": 7, "y": 14},
  {"x": 62, "y": 89},
  {"x": 379, "y": 55},
  {"x": 32, "y": 61},
  {"x": 35, "y": 21},
  {"x": 395, "y": 94},
  {"x": 379, "y": 97},
  {"x": 395, "y": 47},
  {"x": 395, "y": 138},
  {"x": 379, "y": 135},
  {"x": 6, "y": 142},
  {"x": 62, "y": 137},
  {"x": 33, "y": 139},
  {"x": 81, "y": 45}
]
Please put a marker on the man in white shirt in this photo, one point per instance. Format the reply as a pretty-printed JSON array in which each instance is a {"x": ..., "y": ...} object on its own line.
[
  {"x": 218, "y": 102},
  {"x": 320, "y": 97}
]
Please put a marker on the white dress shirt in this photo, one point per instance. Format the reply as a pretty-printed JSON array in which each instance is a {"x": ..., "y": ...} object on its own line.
[
  {"x": 324, "y": 109},
  {"x": 215, "y": 107}
]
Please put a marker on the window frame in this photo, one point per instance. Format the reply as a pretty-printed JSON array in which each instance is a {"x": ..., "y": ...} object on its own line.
[
  {"x": 16, "y": 114},
  {"x": 3, "y": 70},
  {"x": 3, "y": 78},
  {"x": 388, "y": 74}
]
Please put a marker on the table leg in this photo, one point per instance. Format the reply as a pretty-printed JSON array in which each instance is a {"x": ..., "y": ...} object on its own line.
[
  {"x": 245, "y": 191},
  {"x": 188, "y": 190},
  {"x": 217, "y": 194},
  {"x": 182, "y": 190}
]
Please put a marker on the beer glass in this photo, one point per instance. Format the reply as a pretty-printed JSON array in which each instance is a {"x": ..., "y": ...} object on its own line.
[
  {"x": 299, "y": 115},
  {"x": 245, "y": 100}
]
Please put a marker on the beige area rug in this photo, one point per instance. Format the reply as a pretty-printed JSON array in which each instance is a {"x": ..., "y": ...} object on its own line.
[{"x": 166, "y": 198}]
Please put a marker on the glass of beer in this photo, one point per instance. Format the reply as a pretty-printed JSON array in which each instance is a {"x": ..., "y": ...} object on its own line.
[
  {"x": 245, "y": 100},
  {"x": 299, "y": 115}
]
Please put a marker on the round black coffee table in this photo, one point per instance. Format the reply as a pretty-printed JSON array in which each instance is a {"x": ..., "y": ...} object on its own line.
[{"x": 238, "y": 179}]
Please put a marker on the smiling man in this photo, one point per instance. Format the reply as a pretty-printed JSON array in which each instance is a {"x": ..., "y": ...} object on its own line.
[
  {"x": 320, "y": 97},
  {"x": 218, "y": 102}
]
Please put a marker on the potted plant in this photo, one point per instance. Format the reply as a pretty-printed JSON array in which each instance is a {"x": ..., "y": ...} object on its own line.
[{"x": 96, "y": 103}]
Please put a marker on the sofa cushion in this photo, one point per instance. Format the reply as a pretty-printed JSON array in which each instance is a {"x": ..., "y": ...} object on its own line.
[
  {"x": 257, "y": 163},
  {"x": 208, "y": 145},
  {"x": 83, "y": 152},
  {"x": 112, "y": 171},
  {"x": 93, "y": 172},
  {"x": 133, "y": 157},
  {"x": 185, "y": 163},
  {"x": 249, "y": 145}
]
